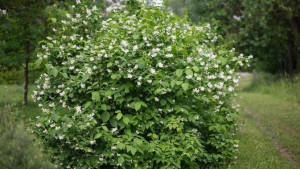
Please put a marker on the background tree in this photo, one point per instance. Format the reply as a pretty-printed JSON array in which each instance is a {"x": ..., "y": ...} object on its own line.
[
  {"x": 268, "y": 29},
  {"x": 23, "y": 24}
]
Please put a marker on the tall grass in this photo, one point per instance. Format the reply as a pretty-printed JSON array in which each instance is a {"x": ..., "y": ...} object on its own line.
[
  {"x": 17, "y": 76},
  {"x": 275, "y": 85}
]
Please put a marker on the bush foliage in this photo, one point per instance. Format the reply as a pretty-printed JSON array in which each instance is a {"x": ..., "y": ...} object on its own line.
[
  {"x": 140, "y": 89},
  {"x": 17, "y": 149}
]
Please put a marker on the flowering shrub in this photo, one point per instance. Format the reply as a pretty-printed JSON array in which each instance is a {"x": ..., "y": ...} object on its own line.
[{"x": 141, "y": 89}]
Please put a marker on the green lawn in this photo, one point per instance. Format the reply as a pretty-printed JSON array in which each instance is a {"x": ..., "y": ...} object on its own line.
[
  {"x": 269, "y": 135},
  {"x": 268, "y": 128}
]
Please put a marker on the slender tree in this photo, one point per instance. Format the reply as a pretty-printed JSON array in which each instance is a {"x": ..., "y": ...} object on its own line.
[{"x": 23, "y": 24}]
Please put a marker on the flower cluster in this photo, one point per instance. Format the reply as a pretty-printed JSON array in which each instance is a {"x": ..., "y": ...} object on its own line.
[
  {"x": 141, "y": 89},
  {"x": 3, "y": 11}
]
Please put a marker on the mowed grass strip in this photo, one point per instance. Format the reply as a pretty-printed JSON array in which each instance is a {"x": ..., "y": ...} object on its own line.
[
  {"x": 281, "y": 119},
  {"x": 256, "y": 150}
]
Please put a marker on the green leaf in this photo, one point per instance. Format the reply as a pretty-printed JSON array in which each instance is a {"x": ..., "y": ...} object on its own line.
[
  {"x": 98, "y": 135},
  {"x": 126, "y": 120},
  {"x": 163, "y": 102},
  {"x": 87, "y": 104},
  {"x": 113, "y": 76},
  {"x": 113, "y": 122},
  {"x": 121, "y": 160},
  {"x": 53, "y": 20},
  {"x": 119, "y": 116},
  {"x": 105, "y": 116},
  {"x": 38, "y": 62},
  {"x": 109, "y": 64},
  {"x": 173, "y": 82},
  {"x": 135, "y": 36},
  {"x": 54, "y": 117},
  {"x": 48, "y": 66},
  {"x": 189, "y": 72},
  {"x": 121, "y": 146},
  {"x": 137, "y": 105},
  {"x": 179, "y": 72},
  {"x": 95, "y": 96},
  {"x": 185, "y": 86},
  {"x": 133, "y": 150},
  {"x": 85, "y": 77},
  {"x": 54, "y": 72},
  {"x": 222, "y": 60},
  {"x": 196, "y": 68},
  {"x": 65, "y": 75}
]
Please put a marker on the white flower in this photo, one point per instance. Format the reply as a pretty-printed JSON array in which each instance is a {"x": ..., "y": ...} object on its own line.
[
  {"x": 124, "y": 43},
  {"x": 71, "y": 68},
  {"x": 92, "y": 59},
  {"x": 61, "y": 137},
  {"x": 52, "y": 105},
  {"x": 189, "y": 76},
  {"x": 209, "y": 85},
  {"x": 156, "y": 99},
  {"x": 92, "y": 142},
  {"x": 38, "y": 125},
  {"x": 160, "y": 65},
  {"x": 135, "y": 47},
  {"x": 196, "y": 90},
  {"x": 88, "y": 12},
  {"x": 169, "y": 48},
  {"x": 169, "y": 55},
  {"x": 216, "y": 97},
  {"x": 149, "y": 81},
  {"x": 240, "y": 63},
  {"x": 235, "y": 81},
  {"x": 130, "y": 76},
  {"x": 152, "y": 71},
  {"x": 82, "y": 85},
  {"x": 202, "y": 88},
  {"x": 113, "y": 147},
  {"x": 173, "y": 37},
  {"x": 78, "y": 109},
  {"x": 139, "y": 83},
  {"x": 62, "y": 93},
  {"x": 230, "y": 88},
  {"x": 78, "y": 1},
  {"x": 94, "y": 8},
  {"x": 114, "y": 129}
]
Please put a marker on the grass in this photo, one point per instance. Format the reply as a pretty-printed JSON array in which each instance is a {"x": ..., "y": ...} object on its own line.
[
  {"x": 13, "y": 94},
  {"x": 270, "y": 134}
]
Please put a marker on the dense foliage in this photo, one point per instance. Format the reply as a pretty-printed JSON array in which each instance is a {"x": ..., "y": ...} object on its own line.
[
  {"x": 268, "y": 29},
  {"x": 17, "y": 149},
  {"x": 141, "y": 89}
]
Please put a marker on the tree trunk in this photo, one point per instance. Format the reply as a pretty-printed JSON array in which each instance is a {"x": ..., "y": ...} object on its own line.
[
  {"x": 27, "y": 57},
  {"x": 26, "y": 71},
  {"x": 291, "y": 55}
]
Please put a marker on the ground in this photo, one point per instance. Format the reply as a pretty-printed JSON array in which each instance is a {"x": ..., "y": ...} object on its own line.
[{"x": 269, "y": 135}]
